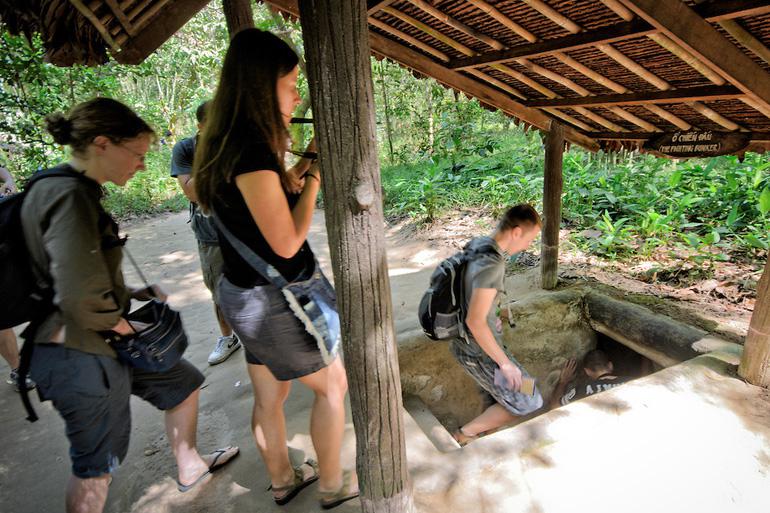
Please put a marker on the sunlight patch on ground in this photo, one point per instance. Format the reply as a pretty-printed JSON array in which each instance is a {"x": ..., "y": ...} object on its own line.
[{"x": 180, "y": 257}]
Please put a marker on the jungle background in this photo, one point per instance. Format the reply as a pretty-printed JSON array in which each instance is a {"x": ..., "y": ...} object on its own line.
[{"x": 694, "y": 228}]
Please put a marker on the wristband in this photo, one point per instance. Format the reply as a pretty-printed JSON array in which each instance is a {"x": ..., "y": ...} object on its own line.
[{"x": 309, "y": 173}]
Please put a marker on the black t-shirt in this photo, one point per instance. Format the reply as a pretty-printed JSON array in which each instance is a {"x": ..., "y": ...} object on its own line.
[
  {"x": 584, "y": 388},
  {"x": 234, "y": 213}
]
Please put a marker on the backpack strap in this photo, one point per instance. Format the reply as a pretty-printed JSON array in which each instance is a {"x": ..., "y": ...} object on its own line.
[
  {"x": 470, "y": 255},
  {"x": 25, "y": 356},
  {"x": 267, "y": 271}
]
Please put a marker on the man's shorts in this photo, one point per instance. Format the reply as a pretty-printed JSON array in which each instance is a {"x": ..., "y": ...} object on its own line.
[
  {"x": 482, "y": 370},
  {"x": 211, "y": 266},
  {"x": 92, "y": 394}
]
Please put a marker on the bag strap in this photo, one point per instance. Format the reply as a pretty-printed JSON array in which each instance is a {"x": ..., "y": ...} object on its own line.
[{"x": 266, "y": 270}]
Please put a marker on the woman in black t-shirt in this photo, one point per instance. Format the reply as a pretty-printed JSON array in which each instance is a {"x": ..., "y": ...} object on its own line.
[{"x": 240, "y": 175}]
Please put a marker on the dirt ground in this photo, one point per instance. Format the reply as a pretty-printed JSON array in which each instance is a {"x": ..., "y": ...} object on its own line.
[{"x": 34, "y": 462}]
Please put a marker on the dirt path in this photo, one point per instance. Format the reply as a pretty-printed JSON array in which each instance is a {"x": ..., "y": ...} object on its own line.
[{"x": 34, "y": 464}]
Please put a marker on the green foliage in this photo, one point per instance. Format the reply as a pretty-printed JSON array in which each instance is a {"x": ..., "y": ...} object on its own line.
[
  {"x": 443, "y": 151},
  {"x": 616, "y": 205}
]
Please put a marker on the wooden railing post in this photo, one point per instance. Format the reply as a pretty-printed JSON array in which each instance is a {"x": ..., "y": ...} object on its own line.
[
  {"x": 552, "y": 189},
  {"x": 755, "y": 363}
]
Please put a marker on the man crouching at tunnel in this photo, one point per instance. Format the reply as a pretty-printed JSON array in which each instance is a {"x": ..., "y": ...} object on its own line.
[{"x": 478, "y": 351}]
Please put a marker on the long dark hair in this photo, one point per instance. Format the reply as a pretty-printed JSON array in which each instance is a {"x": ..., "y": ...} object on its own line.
[
  {"x": 244, "y": 110},
  {"x": 98, "y": 116}
]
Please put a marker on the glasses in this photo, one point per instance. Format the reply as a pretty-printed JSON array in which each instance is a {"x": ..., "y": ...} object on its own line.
[{"x": 138, "y": 155}]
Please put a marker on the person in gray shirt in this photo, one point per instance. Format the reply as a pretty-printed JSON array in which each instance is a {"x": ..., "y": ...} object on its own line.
[
  {"x": 478, "y": 351},
  {"x": 205, "y": 232}
]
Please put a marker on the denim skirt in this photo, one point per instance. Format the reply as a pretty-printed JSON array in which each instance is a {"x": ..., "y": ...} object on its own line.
[{"x": 270, "y": 333}]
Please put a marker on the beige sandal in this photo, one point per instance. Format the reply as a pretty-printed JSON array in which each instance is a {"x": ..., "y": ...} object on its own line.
[
  {"x": 300, "y": 483},
  {"x": 347, "y": 491}
]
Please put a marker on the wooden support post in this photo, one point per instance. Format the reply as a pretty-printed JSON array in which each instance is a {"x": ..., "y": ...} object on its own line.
[
  {"x": 238, "y": 15},
  {"x": 755, "y": 363},
  {"x": 552, "y": 188},
  {"x": 337, "y": 50}
]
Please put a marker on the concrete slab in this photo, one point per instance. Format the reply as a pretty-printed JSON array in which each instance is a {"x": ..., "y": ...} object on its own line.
[{"x": 691, "y": 438}]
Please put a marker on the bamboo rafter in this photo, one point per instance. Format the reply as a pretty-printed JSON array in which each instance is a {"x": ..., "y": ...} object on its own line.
[
  {"x": 525, "y": 63},
  {"x": 504, "y": 20},
  {"x": 554, "y": 15},
  {"x": 559, "y": 79},
  {"x": 409, "y": 39},
  {"x": 745, "y": 38},
  {"x": 632, "y": 66},
  {"x": 455, "y": 45},
  {"x": 619, "y": 9},
  {"x": 599, "y": 119},
  {"x": 692, "y": 61},
  {"x": 149, "y": 14},
  {"x": 455, "y": 24},
  {"x": 121, "y": 16},
  {"x": 714, "y": 116},
  {"x": 668, "y": 116},
  {"x": 90, "y": 16},
  {"x": 569, "y": 119},
  {"x": 624, "y": 114},
  {"x": 733, "y": 28},
  {"x": 574, "y": 28},
  {"x": 588, "y": 72}
]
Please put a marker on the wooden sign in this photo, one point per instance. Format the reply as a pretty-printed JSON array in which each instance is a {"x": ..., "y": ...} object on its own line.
[{"x": 698, "y": 143}]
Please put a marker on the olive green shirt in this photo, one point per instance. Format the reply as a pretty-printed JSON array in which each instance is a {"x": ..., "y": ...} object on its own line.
[{"x": 74, "y": 245}]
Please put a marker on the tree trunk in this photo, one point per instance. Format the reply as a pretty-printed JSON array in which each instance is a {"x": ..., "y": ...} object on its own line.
[
  {"x": 238, "y": 15},
  {"x": 755, "y": 364},
  {"x": 552, "y": 188},
  {"x": 339, "y": 73}
]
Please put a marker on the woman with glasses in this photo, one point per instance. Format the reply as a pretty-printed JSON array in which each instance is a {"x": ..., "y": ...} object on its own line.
[{"x": 75, "y": 248}]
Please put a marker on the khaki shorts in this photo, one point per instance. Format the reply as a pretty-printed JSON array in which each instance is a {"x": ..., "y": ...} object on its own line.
[{"x": 211, "y": 265}]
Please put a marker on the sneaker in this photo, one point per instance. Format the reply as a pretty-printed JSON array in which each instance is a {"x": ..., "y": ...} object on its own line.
[
  {"x": 225, "y": 347},
  {"x": 14, "y": 377}
]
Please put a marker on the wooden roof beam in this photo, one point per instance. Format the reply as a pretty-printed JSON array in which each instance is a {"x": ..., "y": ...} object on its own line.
[
  {"x": 157, "y": 31},
  {"x": 91, "y": 17},
  {"x": 678, "y": 122},
  {"x": 709, "y": 93},
  {"x": 745, "y": 38},
  {"x": 714, "y": 11},
  {"x": 504, "y": 20},
  {"x": 554, "y": 15},
  {"x": 412, "y": 59},
  {"x": 455, "y": 24},
  {"x": 404, "y": 55},
  {"x": 451, "y": 22},
  {"x": 121, "y": 16},
  {"x": 619, "y": 9},
  {"x": 686, "y": 28},
  {"x": 613, "y": 33},
  {"x": 634, "y": 67},
  {"x": 719, "y": 10},
  {"x": 588, "y": 72}
]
